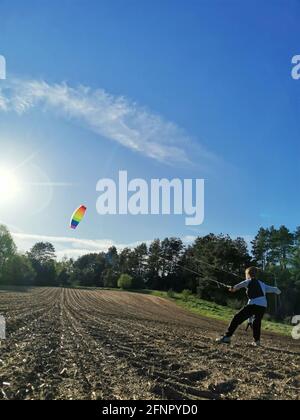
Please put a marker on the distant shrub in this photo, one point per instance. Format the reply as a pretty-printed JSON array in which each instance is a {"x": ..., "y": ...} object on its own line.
[
  {"x": 186, "y": 294},
  {"x": 268, "y": 317},
  {"x": 234, "y": 303},
  {"x": 171, "y": 293},
  {"x": 125, "y": 282}
]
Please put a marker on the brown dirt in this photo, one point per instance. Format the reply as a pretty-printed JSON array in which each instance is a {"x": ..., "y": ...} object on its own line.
[{"x": 85, "y": 344}]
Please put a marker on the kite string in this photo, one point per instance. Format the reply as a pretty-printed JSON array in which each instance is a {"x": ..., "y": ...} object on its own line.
[
  {"x": 194, "y": 272},
  {"x": 216, "y": 268}
]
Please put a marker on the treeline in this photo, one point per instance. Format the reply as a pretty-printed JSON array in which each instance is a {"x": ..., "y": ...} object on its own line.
[{"x": 167, "y": 265}]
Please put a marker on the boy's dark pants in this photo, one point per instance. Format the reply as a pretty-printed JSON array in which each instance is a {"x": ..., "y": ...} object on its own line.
[{"x": 243, "y": 315}]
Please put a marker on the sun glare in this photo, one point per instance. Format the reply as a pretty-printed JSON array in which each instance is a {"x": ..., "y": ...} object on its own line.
[{"x": 9, "y": 185}]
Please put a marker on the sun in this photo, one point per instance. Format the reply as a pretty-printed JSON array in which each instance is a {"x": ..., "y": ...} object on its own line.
[{"x": 9, "y": 185}]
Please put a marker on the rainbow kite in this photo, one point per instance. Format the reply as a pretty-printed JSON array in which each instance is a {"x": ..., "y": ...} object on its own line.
[{"x": 77, "y": 216}]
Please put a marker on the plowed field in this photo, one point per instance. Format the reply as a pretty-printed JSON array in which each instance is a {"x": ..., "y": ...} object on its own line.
[{"x": 85, "y": 344}]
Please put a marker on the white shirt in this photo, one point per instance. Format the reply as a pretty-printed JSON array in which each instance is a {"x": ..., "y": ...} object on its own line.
[{"x": 260, "y": 301}]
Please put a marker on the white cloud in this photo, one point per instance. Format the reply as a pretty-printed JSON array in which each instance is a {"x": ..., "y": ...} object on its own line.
[
  {"x": 67, "y": 246},
  {"x": 74, "y": 247},
  {"x": 113, "y": 117},
  {"x": 72, "y": 253},
  {"x": 64, "y": 245}
]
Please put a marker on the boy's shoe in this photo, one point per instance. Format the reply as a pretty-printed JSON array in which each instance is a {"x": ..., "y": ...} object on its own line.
[
  {"x": 256, "y": 344},
  {"x": 224, "y": 340}
]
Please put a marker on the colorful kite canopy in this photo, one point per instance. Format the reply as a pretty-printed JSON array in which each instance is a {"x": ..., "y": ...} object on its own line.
[{"x": 77, "y": 216}]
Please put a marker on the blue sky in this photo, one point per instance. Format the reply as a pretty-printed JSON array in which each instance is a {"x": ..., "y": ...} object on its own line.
[{"x": 218, "y": 71}]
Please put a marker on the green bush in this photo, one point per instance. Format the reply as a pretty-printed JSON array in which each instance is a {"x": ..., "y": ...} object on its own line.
[
  {"x": 186, "y": 294},
  {"x": 171, "y": 293},
  {"x": 125, "y": 282}
]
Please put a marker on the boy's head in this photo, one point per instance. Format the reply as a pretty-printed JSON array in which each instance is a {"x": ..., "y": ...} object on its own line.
[{"x": 251, "y": 273}]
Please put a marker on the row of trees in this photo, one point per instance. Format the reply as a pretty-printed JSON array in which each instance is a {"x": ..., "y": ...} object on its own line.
[{"x": 166, "y": 265}]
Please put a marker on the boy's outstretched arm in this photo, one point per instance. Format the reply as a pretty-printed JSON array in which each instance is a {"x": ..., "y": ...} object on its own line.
[
  {"x": 274, "y": 290},
  {"x": 242, "y": 285}
]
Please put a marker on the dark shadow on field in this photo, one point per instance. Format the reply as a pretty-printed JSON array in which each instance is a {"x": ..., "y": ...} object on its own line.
[
  {"x": 99, "y": 289},
  {"x": 15, "y": 289}
]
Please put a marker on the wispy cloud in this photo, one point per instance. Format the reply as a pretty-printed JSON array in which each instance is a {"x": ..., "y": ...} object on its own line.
[
  {"x": 113, "y": 117},
  {"x": 25, "y": 241},
  {"x": 74, "y": 247},
  {"x": 50, "y": 184}
]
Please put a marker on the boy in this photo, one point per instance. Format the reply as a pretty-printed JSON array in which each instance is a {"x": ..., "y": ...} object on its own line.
[{"x": 256, "y": 307}]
